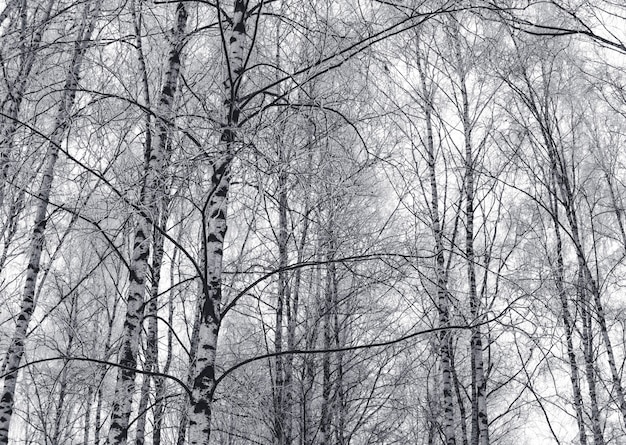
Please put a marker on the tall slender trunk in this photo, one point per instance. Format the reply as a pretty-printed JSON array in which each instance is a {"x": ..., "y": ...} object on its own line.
[
  {"x": 430, "y": 416},
  {"x": 87, "y": 416},
  {"x": 60, "y": 405},
  {"x": 102, "y": 374},
  {"x": 542, "y": 112},
  {"x": 440, "y": 266},
  {"x": 214, "y": 226},
  {"x": 152, "y": 347},
  {"x": 282, "y": 302},
  {"x": 183, "y": 423},
  {"x": 292, "y": 323},
  {"x": 339, "y": 393},
  {"x": 618, "y": 207},
  {"x": 159, "y": 381},
  {"x": 9, "y": 229},
  {"x": 459, "y": 395},
  {"x": 480, "y": 421},
  {"x": 587, "y": 281},
  {"x": 309, "y": 368},
  {"x": 12, "y": 102},
  {"x": 151, "y": 192},
  {"x": 281, "y": 417},
  {"x": 567, "y": 321},
  {"x": 329, "y": 406},
  {"x": 284, "y": 364},
  {"x": 61, "y": 123},
  {"x": 157, "y": 256},
  {"x": 587, "y": 341}
]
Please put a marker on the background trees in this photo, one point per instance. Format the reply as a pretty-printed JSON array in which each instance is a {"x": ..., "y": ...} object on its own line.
[{"x": 300, "y": 223}]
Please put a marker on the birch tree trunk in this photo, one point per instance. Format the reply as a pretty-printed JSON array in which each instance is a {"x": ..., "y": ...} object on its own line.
[
  {"x": 151, "y": 192},
  {"x": 87, "y": 417},
  {"x": 11, "y": 106},
  {"x": 587, "y": 340},
  {"x": 62, "y": 120},
  {"x": 152, "y": 347},
  {"x": 480, "y": 422},
  {"x": 292, "y": 322},
  {"x": 327, "y": 402},
  {"x": 459, "y": 396},
  {"x": 151, "y": 354},
  {"x": 280, "y": 410},
  {"x": 440, "y": 267},
  {"x": 214, "y": 226},
  {"x": 183, "y": 423},
  {"x": 559, "y": 174},
  {"x": 340, "y": 402},
  {"x": 159, "y": 381},
  {"x": 567, "y": 322},
  {"x": 309, "y": 368},
  {"x": 587, "y": 282},
  {"x": 60, "y": 405},
  {"x": 12, "y": 102},
  {"x": 102, "y": 371},
  {"x": 540, "y": 108}
]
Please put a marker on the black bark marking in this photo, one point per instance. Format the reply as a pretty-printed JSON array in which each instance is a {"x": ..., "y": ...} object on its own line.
[
  {"x": 201, "y": 406},
  {"x": 212, "y": 238}
]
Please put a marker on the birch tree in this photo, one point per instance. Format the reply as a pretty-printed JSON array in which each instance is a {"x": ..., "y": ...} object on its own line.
[
  {"x": 383, "y": 222},
  {"x": 86, "y": 24},
  {"x": 29, "y": 48},
  {"x": 158, "y": 155},
  {"x": 214, "y": 230},
  {"x": 443, "y": 306}
]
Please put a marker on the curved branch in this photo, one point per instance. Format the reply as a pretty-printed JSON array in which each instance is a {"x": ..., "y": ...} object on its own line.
[
  {"x": 356, "y": 347},
  {"x": 101, "y": 362}
]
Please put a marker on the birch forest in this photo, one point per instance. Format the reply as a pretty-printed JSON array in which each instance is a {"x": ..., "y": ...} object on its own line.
[{"x": 321, "y": 222}]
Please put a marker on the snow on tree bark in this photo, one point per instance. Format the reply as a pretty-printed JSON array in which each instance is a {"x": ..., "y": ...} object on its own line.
[
  {"x": 62, "y": 120},
  {"x": 12, "y": 102},
  {"x": 567, "y": 322},
  {"x": 480, "y": 422},
  {"x": 588, "y": 353},
  {"x": 587, "y": 283},
  {"x": 440, "y": 272},
  {"x": 214, "y": 226},
  {"x": 151, "y": 193},
  {"x": 330, "y": 290},
  {"x": 152, "y": 349},
  {"x": 280, "y": 409}
]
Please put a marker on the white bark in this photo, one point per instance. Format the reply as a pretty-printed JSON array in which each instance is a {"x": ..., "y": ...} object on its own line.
[
  {"x": 62, "y": 120},
  {"x": 330, "y": 289},
  {"x": 440, "y": 272},
  {"x": 152, "y": 349},
  {"x": 214, "y": 231},
  {"x": 568, "y": 323},
  {"x": 480, "y": 421},
  {"x": 151, "y": 193},
  {"x": 280, "y": 410},
  {"x": 11, "y": 106},
  {"x": 159, "y": 381},
  {"x": 587, "y": 283}
]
